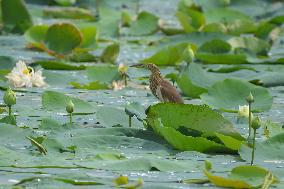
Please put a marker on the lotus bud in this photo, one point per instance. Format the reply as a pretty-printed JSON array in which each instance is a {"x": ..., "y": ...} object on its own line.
[
  {"x": 122, "y": 68},
  {"x": 9, "y": 97},
  {"x": 256, "y": 123},
  {"x": 70, "y": 107},
  {"x": 243, "y": 111},
  {"x": 250, "y": 98},
  {"x": 188, "y": 55}
]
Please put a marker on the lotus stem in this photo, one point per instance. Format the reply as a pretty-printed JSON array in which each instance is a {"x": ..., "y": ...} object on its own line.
[
  {"x": 10, "y": 110},
  {"x": 250, "y": 118},
  {"x": 97, "y": 9},
  {"x": 124, "y": 79},
  {"x": 70, "y": 116},
  {"x": 253, "y": 147},
  {"x": 129, "y": 121},
  {"x": 137, "y": 7}
]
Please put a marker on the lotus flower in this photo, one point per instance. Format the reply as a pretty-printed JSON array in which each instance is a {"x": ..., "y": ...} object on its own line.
[{"x": 23, "y": 76}]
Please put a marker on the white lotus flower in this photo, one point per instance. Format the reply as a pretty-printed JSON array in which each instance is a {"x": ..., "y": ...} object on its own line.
[
  {"x": 23, "y": 76},
  {"x": 244, "y": 112},
  {"x": 118, "y": 85}
]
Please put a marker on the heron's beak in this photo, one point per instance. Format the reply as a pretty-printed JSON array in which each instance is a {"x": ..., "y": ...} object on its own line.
[{"x": 138, "y": 66}]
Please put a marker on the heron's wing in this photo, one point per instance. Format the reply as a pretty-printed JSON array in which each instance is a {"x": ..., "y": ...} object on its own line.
[{"x": 169, "y": 93}]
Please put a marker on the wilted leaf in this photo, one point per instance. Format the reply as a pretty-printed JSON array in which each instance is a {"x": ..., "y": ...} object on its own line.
[
  {"x": 38, "y": 144},
  {"x": 242, "y": 177}
]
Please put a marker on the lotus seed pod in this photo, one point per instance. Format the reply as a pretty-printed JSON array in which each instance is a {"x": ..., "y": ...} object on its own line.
[
  {"x": 256, "y": 123},
  {"x": 9, "y": 97},
  {"x": 70, "y": 107},
  {"x": 250, "y": 98}
]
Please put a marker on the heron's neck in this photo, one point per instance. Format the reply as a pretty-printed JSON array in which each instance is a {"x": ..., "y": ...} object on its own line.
[{"x": 156, "y": 75}]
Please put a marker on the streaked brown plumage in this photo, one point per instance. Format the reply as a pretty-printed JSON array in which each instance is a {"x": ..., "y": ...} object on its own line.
[{"x": 160, "y": 87}]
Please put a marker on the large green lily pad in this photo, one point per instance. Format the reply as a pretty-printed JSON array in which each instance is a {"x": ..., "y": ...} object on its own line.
[
  {"x": 229, "y": 94},
  {"x": 63, "y": 38},
  {"x": 198, "y": 118}
]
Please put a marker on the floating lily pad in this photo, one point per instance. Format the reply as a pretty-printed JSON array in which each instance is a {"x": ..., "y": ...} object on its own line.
[
  {"x": 63, "y": 38},
  {"x": 229, "y": 94},
  {"x": 95, "y": 85},
  {"x": 55, "y": 101},
  {"x": 224, "y": 15},
  {"x": 53, "y": 65},
  {"x": 169, "y": 55},
  {"x": 118, "y": 118},
  {"x": 35, "y": 35},
  {"x": 243, "y": 177},
  {"x": 110, "y": 53},
  {"x": 69, "y": 13},
  {"x": 191, "y": 117},
  {"x": 103, "y": 73},
  {"x": 15, "y": 16},
  {"x": 268, "y": 151},
  {"x": 215, "y": 46},
  {"x": 146, "y": 24},
  {"x": 65, "y": 2},
  {"x": 194, "y": 81},
  {"x": 186, "y": 143}
]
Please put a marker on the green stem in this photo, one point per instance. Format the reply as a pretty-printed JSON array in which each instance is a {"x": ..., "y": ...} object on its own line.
[
  {"x": 129, "y": 121},
  {"x": 250, "y": 118},
  {"x": 10, "y": 110},
  {"x": 137, "y": 7},
  {"x": 125, "y": 80},
  {"x": 97, "y": 9},
  {"x": 70, "y": 115},
  {"x": 253, "y": 147}
]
